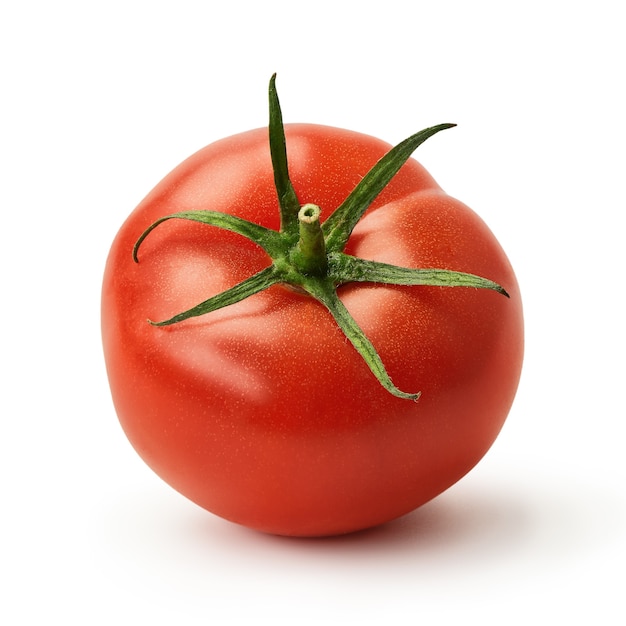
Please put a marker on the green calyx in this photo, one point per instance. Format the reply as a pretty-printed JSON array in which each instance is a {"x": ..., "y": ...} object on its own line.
[{"x": 308, "y": 254}]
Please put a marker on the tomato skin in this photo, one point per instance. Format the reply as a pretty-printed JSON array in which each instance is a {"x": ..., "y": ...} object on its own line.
[{"x": 262, "y": 412}]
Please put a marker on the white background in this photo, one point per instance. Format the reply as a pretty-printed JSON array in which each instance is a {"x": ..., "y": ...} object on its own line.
[{"x": 100, "y": 100}]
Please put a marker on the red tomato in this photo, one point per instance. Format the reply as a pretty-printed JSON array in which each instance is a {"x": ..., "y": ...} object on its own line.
[{"x": 262, "y": 412}]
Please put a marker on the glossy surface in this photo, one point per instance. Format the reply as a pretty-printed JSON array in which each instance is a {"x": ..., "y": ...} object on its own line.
[{"x": 262, "y": 412}]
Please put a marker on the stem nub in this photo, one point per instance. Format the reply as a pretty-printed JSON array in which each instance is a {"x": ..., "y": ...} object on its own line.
[{"x": 309, "y": 255}]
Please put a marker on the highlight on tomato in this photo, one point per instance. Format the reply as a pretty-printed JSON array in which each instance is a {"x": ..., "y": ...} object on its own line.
[{"x": 304, "y": 334}]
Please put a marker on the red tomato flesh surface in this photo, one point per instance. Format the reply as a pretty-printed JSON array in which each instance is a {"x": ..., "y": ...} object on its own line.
[{"x": 262, "y": 412}]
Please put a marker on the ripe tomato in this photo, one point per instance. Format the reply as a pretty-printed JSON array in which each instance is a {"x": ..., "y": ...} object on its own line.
[{"x": 262, "y": 411}]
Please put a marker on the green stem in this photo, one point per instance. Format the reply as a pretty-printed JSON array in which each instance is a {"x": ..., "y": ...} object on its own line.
[{"x": 309, "y": 255}]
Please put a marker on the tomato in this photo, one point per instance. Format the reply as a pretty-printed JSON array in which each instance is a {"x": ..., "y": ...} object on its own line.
[{"x": 265, "y": 412}]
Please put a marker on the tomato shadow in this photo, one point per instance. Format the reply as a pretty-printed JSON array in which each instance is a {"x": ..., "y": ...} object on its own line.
[
  {"x": 452, "y": 523},
  {"x": 465, "y": 525}
]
